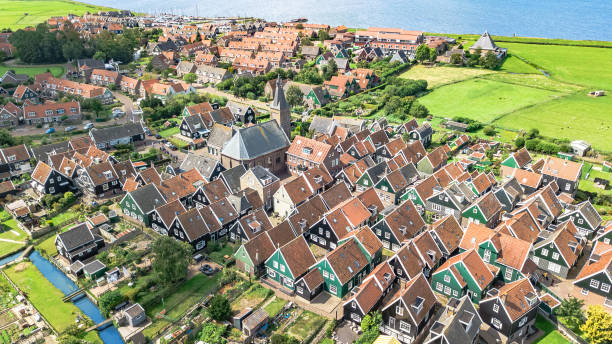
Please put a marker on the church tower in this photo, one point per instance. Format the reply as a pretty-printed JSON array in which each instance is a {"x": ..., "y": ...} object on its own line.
[{"x": 280, "y": 110}]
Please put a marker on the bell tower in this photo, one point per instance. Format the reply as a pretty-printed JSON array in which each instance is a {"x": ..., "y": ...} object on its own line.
[{"x": 280, "y": 110}]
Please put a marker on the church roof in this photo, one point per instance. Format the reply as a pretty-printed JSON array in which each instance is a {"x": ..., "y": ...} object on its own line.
[
  {"x": 255, "y": 141},
  {"x": 280, "y": 102},
  {"x": 485, "y": 42}
]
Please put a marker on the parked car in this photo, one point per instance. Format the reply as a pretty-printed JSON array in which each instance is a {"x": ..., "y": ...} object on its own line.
[
  {"x": 137, "y": 110},
  {"x": 198, "y": 257},
  {"x": 170, "y": 145},
  {"x": 70, "y": 128},
  {"x": 50, "y": 131},
  {"x": 88, "y": 126},
  {"x": 158, "y": 136},
  {"x": 207, "y": 270}
]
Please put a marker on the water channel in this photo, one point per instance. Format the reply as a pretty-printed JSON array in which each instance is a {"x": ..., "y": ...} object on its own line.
[{"x": 109, "y": 335}]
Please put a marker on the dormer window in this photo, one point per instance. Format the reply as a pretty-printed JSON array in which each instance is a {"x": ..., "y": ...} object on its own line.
[{"x": 418, "y": 304}]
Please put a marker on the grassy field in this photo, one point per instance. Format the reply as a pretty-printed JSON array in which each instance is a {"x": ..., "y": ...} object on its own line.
[
  {"x": 573, "y": 117},
  {"x": 554, "y": 41},
  {"x": 57, "y": 71},
  {"x": 438, "y": 76},
  {"x": 185, "y": 296},
  {"x": 305, "y": 325},
  {"x": 17, "y": 14},
  {"x": 63, "y": 217},
  {"x": 551, "y": 335},
  {"x": 43, "y": 295},
  {"x": 169, "y": 132},
  {"x": 15, "y": 237},
  {"x": 482, "y": 99},
  {"x": 274, "y": 307},
  {"x": 579, "y": 65},
  {"x": 513, "y": 64}
]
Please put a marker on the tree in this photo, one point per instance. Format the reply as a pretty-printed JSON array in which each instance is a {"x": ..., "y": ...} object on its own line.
[
  {"x": 323, "y": 35},
  {"x": 490, "y": 61},
  {"x": 212, "y": 333},
  {"x": 432, "y": 55},
  {"x": 330, "y": 70},
  {"x": 489, "y": 130},
  {"x": 219, "y": 308},
  {"x": 571, "y": 311},
  {"x": 190, "y": 78},
  {"x": 456, "y": 59},
  {"x": 100, "y": 55},
  {"x": 294, "y": 96},
  {"x": 72, "y": 50},
  {"x": 371, "y": 321},
  {"x": 110, "y": 300},
  {"x": 422, "y": 53},
  {"x": 300, "y": 26},
  {"x": 519, "y": 142},
  {"x": 278, "y": 338},
  {"x": 533, "y": 133},
  {"x": 171, "y": 259},
  {"x": 598, "y": 326}
]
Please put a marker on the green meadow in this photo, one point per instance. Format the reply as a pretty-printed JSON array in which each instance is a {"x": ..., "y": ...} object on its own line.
[
  {"x": 17, "y": 14},
  {"x": 32, "y": 71}
]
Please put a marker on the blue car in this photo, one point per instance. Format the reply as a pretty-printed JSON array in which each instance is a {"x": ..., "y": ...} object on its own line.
[{"x": 50, "y": 131}]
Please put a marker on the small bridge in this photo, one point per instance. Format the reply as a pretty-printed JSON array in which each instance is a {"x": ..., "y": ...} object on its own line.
[
  {"x": 100, "y": 326},
  {"x": 73, "y": 294}
]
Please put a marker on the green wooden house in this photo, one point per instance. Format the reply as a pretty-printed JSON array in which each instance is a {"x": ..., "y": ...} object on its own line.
[
  {"x": 485, "y": 210},
  {"x": 584, "y": 216},
  {"x": 463, "y": 274},
  {"x": 518, "y": 159},
  {"x": 343, "y": 268},
  {"x": 371, "y": 176},
  {"x": 419, "y": 192},
  {"x": 290, "y": 262},
  {"x": 559, "y": 252},
  {"x": 140, "y": 203},
  {"x": 433, "y": 161},
  {"x": 604, "y": 235},
  {"x": 94, "y": 270},
  {"x": 369, "y": 244},
  {"x": 596, "y": 277}
]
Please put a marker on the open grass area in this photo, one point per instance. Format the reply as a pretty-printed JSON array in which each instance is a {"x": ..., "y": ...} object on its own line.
[
  {"x": 513, "y": 64},
  {"x": 178, "y": 142},
  {"x": 274, "y": 307},
  {"x": 589, "y": 184},
  {"x": 57, "y": 71},
  {"x": 551, "y": 335},
  {"x": 64, "y": 216},
  {"x": 43, "y": 295},
  {"x": 185, "y": 296},
  {"x": 437, "y": 76},
  {"x": 169, "y": 132},
  {"x": 579, "y": 65},
  {"x": 12, "y": 238},
  {"x": 482, "y": 99},
  {"x": 251, "y": 298},
  {"x": 305, "y": 325},
  {"x": 531, "y": 40},
  {"x": 575, "y": 117},
  {"x": 17, "y": 14}
]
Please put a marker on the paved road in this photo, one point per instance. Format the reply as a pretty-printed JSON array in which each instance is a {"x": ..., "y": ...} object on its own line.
[{"x": 128, "y": 106}]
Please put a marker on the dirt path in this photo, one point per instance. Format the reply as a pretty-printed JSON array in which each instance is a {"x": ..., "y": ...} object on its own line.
[
  {"x": 255, "y": 103},
  {"x": 13, "y": 241}
]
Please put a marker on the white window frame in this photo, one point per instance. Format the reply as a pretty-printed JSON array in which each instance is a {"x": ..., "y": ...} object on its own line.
[
  {"x": 594, "y": 283},
  {"x": 404, "y": 326},
  {"x": 496, "y": 323},
  {"x": 496, "y": 308},
  {"x": 447, "y": 279}
]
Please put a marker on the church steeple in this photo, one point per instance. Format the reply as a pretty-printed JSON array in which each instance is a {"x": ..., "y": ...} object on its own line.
[{"x": 280, "y": 109}]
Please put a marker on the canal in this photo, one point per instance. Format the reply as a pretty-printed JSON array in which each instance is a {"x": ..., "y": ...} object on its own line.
[{"x": 109, "y": 335}]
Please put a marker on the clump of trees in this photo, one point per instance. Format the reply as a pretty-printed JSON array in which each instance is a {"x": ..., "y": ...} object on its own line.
[
  {"x": 488, "y": 61},
  {"x": 472, "y": 124},
  {"x": 171, "y": 260},
  {"x": 370, "y": 325},
  {"x": 424, "y": 53},
  {"x": 219, "y": 308},
  {"x": 252, "y": 87}
]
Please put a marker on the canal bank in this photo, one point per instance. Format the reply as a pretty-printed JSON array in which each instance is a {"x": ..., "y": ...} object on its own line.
[{"x": 109, "y": 335}]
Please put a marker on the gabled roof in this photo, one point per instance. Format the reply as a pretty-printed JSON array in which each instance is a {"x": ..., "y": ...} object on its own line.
[
  {"x": 77, "y": 236},
  {"x": 298, "y": 189},
  {"x": 485, "y": 42},
  {"x": 193, "y": 224},
  {"x": 449, "y": 232},
  {"x": 255, "y": 141},
  {"x": 514, "y": 298},
  {"x": 147, "y": 198},
  {"x": 415, "y": 295},
  {"x": 474, "y": 235},
  {"x": 313, "y": 279},
  {"x": 564, "y": 237},
  {"x": 347, "y": 260},
  {"x": 254, "y": 223},
  {"x": 405, "y": 221},
  {"x": 224, "y": 211},
  {"x": 489, "y": 205},
  {"x": 523, "y": 227},
  {"x": 514, "y": 251},
  {"x": 561, "y": 168},
  {"x": 42, "y": 172},
  {"x": 169, "y": 211},
  {"x": 298, "y": 256},
  {"x": 231, "y": 177},
  {"x": 107, "y": 134},
  {"x": 603, "y": 264},
  {"x": 336, "y": 194},
  {"x": 307, "y": 214}
]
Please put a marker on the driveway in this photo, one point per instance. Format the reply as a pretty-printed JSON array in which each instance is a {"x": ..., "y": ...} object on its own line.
[{"x": 128, "y": 106}]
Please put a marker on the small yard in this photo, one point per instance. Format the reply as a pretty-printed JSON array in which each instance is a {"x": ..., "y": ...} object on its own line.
[
  {"x": 43, "y": 295},
  {"x": 12, "y": 238},
  {"x": 305, "y": 325},
  {"x": 217, "y": 251},
  {"x": 169, "y": 132},
  {"x": 178, "y": 142},
  {"x": 63, "y": 217},
  {"x": 253, "y": 297},
  {"x": 180, "y": 300},
  {"x": 275, "y": 307},
  {"x": 57, "y": 71},
  {"x": 7, "y": 296},
  {"x": 551, "y": 334}
]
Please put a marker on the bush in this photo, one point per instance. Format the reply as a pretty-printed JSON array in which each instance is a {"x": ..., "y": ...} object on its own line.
[
  {"x": 219, "y": 308},
  {"x": 489, "y": 131}
]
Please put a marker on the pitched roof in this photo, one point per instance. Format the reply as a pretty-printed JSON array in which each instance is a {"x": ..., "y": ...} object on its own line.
[
  {"x": 514, "y": 297},
  {"x": 193, "y": 224},
  {"x": 405, "y": 221},
  {"x": 298, "y": 256},
  {"x": 255, "y": 141},
  {"x": 347, "y": 260},
  {"x": 309, "y": 149},
  {"x": 450, "y": 233},
  {"x": 561, "y": 168},
  {"x": 147, "y": 198},
  {"x": 417, "y": 297},
  {"x": 564, "y": 238},
  {"x": 489, "y": 205},
  {"x": 474, "y": 235},
  {"x": 169, "y": 211},
  {"x": 514, "y": 251},
  {"x": 103, "y": 135},
  {"x": 77, "y": 235},
  {"x": 41, "y": 172},
  {"x": 336, "y": 194}
]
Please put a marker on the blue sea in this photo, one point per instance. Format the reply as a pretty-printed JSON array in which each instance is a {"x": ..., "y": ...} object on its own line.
[{"x": 571, "y": 19}]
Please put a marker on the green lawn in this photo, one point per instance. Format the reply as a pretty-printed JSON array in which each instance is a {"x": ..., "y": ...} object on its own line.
[
  {"x": 178, "y": 142},
  {"x": 251, "y": 298},
  {"x": 13, "y": 12},
  {"x": 551, "y": 335},
  {"x": 482, "y": 99},
  {"x": 575, "y": 117},
  {"x": 274, "y": 307},
  {"x": 169, "y": 132},
  {"x": 185, "y": 296},
  {"x": 57, "y": 71},
  {"x": 580, "y": 65},
  {"x": 63, "y": 217},
  {"x": 10, "y": 231},
  {"x": 305, "y": 325},
  {"x": 43, "y": 295},
  {"x": 513, "y": 64},
  {"x": 438, "y": 76}
]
